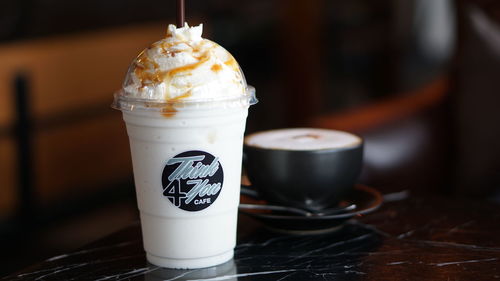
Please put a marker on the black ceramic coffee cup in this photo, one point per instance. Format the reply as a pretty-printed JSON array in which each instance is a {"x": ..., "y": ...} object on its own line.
[{"x": 309, "y": 176}]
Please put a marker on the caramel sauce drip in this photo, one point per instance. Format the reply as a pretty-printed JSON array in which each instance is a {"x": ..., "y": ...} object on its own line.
[
  {"x": 167, "y": 45},
  {"x": 169, "y": 109},
  {"x": 204, "y": 58},
  {"x": 178, "y": 98},
  {"x": 144, "y": 61},
  {"x": 147, "y": 77},
  {"x": 149, "y": 73},
  {"x": 144, "y": 65}
]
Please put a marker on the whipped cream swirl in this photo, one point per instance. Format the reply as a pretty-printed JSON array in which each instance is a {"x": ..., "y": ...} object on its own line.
[{"x": 184, "y": 66}]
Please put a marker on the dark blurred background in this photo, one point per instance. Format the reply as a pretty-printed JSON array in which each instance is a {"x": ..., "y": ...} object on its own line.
[{"x": 418, "y": 79}]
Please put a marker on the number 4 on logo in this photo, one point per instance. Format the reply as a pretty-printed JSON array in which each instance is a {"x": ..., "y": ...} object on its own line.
[{"x": 174, "y": 194}]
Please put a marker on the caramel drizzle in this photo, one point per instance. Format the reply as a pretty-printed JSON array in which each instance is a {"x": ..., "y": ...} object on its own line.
[
  {"x": 169, "y": 110},
  {"x": 231, "y": 62},
  {"x": 204, "y": 58},
  {"x": 143, "y": 64},
  {"x": 148, "y": 71}
]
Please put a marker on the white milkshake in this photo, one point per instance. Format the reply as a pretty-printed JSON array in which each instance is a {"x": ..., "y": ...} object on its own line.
[{"x": 185, "y": 102}]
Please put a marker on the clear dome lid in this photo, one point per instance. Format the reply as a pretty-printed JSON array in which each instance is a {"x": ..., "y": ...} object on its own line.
[
  {"x": 126, "y": 103},
  {"x": 175, "y": 72}
]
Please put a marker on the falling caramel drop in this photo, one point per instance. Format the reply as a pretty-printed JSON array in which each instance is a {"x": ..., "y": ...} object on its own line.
[
  {"x": 169, "y": 109},
  {"x": 216, "y": 67}
]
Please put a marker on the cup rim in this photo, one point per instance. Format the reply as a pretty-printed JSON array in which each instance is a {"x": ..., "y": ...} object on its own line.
[
  {"x": 125, "y": 103},
  {"x": 359, "y": 143}
]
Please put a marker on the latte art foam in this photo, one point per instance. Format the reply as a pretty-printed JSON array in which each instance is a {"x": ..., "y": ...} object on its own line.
[{"x": 302, "y": 139}]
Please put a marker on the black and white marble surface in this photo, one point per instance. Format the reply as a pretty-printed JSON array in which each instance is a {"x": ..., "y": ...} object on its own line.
[{"x": 413, "y": 239}]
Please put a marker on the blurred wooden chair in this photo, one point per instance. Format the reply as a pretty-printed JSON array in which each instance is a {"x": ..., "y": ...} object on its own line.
[
  {"x": 408, "y": 138},
  {"x": 408, "y": 135},
  {"x": 381, "y": 113}
]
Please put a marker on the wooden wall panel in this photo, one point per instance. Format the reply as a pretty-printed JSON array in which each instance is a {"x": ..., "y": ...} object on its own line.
[
  {"x": 74, "y": 71},
  {"x": 79, "y": 158}
]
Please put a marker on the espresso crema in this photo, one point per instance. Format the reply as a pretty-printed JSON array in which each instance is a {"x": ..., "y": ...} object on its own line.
[{"x": 302, "y": 139}]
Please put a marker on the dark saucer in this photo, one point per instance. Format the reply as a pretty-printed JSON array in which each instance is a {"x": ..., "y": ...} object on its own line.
[{"x": 366, "y": 199}]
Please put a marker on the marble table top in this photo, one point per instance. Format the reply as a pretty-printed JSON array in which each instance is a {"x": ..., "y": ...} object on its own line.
[{"x": 417, "y": 238}]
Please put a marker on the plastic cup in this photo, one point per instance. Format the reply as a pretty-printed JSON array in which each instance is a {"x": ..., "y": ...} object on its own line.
[{"x": 186, "y": 159}]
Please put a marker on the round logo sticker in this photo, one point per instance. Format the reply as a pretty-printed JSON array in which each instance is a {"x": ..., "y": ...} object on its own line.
[{"x": 192, "y": 180}]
